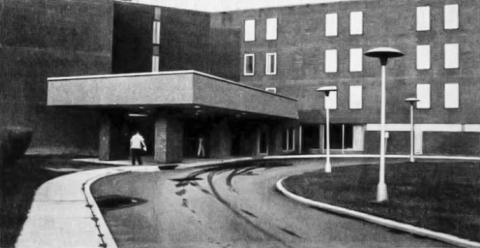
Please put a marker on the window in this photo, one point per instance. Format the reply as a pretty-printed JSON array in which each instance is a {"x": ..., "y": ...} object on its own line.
[
  {"x": 331, "y": 24},
  {"x": 451, "y": 56},
  {"x": 331, "y": 100},
  {"x": 288, "y": 139},
  {"x": 249, "y": 30},
  {"x": 341, "y": 136},
  {"x": 271, "y": 63},
  {"x": 155, "y": 63},
  {"x": 451, "y": 16},
  {"x": 355, "y": 97},
  {"x": 249, "y": 64},
  {"x": 452, "y": 99},
  {"x": 157, "y": 14},
  {"x": 356, "y": 59},
  {"x": 423, "y": 57},
  {"x": 331, "y": 60},
  {"x": 356, "y": 23},
  {"x": 423, "y": 94},
  {"x": 271, "y": 89},
  {"x": 423, "y": 18},
  {"x": 156, "y": 32},
  {"x": 271, "y": 29}
]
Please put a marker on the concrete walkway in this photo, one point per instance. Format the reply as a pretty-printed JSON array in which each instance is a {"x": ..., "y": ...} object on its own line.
[{"x": 64, "y": 213}]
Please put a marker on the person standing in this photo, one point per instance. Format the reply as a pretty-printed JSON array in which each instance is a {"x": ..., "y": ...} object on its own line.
[
  {"x": 137, "y": 144},
  {"x": 201, "y": 148}
]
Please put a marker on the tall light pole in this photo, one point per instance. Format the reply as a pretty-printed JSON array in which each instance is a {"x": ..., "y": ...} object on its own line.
[
  {"x": 411, "y": 101},
  {"x": 382, "y": 53},
  {"x": 327, "y": 90}
]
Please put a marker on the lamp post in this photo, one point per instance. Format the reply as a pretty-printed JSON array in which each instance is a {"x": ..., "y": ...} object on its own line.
[
  {"x": 327, "y": 90},
  {"x": 411, "y": 101},
  {"x": 382, "y": 53}
]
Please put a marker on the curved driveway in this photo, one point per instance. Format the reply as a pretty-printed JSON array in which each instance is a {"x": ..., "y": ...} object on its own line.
[{"x": 233, "y": 206}]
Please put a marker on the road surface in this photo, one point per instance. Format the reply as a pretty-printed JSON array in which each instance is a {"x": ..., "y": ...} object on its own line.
[{"x": 233, "y": 206}]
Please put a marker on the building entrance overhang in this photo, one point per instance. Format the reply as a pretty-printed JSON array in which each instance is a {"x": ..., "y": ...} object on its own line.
[{"x": 172, "y": 89}]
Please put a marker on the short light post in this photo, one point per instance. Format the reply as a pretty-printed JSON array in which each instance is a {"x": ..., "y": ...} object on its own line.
[
  {"x": 411, "y": 101},
  {"x": 383, "y": 53},
  {"x": 327, "y": 90}
]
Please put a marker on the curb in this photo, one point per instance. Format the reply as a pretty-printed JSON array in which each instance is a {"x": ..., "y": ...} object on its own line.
[{"x": 447, "y": 238}]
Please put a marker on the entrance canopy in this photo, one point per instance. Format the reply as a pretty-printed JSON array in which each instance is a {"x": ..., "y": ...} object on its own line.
[{"x": 164, "y": 89}]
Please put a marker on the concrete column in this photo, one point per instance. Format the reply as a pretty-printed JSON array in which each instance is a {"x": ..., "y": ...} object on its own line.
[
  {"x": 110, "y": 142},
  {"x": 168, "y": 140},
  {"x": 276, "y": 139},
  {"x": 220, "y": 140}
]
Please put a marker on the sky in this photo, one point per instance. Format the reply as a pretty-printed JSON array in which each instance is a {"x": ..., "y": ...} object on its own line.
[{"x": 228, "y": 5}]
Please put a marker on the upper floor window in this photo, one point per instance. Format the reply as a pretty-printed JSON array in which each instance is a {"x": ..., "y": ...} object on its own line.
[
  {"x": 423, "y": 95},
  {"x": 451, "y": 58},
  {"x": 271, "y": 29},
  {"x": 271, "y": 63},
  {"x": 356, "y": 59},
  {"x": 423, "y": 57},
  {"x": 157, "y": 14},
  {"x": 356, "y": 23},
  {"x": 355, "y": 100},
  {"x": 155, "y": 63},
  {"x": 331, "y": 22},
  {"x": 450, "y": 12},
  {"x": 249, "y": 30},
  {"x": 156, "y": 32},
  {"x": 452, "y": 99},
  {"x": 249, "y": 64},
  {"x": 423, "y": 18},
  {"x": 331, "y": 60},
  {"x": 331, "y": 100}
]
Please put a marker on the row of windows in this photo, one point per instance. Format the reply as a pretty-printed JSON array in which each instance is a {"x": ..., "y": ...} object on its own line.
[
  {"x": 156, "y": 39},
  {"x": 451, "y": 56},
  {"x": 451, "y": 97},
  {"x": 270, "y": 33},
  {"x": 451, "y": 21},
  {"x": 423, "y": 60},
  {"x": 450, "y": 17}
]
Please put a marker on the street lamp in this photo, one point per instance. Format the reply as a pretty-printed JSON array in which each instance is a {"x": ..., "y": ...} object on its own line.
[
  {"x": 411, "y": 101},
  {"x": 327, "y": 90},
  {"x": 383, "y": 53}
]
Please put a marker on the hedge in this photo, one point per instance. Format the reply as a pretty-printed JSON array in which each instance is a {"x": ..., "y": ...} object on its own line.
[{"x": 14, "y": 141}]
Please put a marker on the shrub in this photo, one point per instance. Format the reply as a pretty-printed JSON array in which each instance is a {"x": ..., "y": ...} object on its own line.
[{"x": 14, "y": 141}]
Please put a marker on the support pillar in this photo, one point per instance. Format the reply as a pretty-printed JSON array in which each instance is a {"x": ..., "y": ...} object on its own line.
[
  {"x": 110, "y": 142},
  {"x": 168, "y": 140},
  {"x": 220, "y": 141}
]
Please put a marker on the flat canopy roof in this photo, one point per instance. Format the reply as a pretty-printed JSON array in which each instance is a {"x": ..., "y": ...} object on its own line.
[{"x": 163, "y": 89}]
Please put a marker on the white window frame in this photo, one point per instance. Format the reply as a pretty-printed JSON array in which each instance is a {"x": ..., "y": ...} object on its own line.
[
  {"x": 424, "y": 96},
  {"x": 245, "y": 73},
  {"x": 268, "y": 63},
  {"x": 452, "y": 96},
  {"x": 290, "y": 134},
  {"x": 356, "y": 60},
  {"x": 271, "y": 29},
  {"x": 451, "y": 56},
  {"x": 249, "y": 30},
  {"x": 423, "y": 57},
  {"x": 331, "y": 61},
  {"x": 423, "y": 18},
  {"x": 356, "y": 97},
  {"x": 331, "y": 100},
  {"x": 356, "y": 23},
  {"x": 451, "y": 16},
  {"x": 331, "y": 24},
  {"x": 156, "y": 32},
  {"x": 155, "y": 63}
]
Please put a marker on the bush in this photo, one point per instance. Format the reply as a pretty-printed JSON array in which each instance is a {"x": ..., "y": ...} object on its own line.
[{"x": 14, "y": 141}]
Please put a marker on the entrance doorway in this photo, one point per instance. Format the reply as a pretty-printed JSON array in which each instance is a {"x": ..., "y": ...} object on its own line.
[{"x": 263, "y": 142}]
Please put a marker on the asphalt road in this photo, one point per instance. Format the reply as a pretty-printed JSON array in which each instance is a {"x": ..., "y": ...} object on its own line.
[{"x": 233, "y": 207}]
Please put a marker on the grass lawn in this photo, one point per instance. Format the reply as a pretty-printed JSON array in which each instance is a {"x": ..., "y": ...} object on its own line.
[
  {"x": 441, "y": 196},
  {"x": 17, "y": 188}
]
